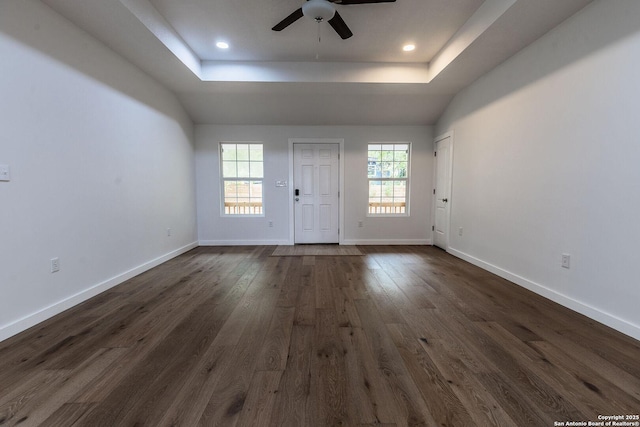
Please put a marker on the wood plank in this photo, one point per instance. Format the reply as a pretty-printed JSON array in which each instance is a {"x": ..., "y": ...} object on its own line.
[
  {"x": 297, "y": 275},
  {"x": 345, "y": 309},
  {"x": 444, "y": 405},
  {"x": 377, "y": 388},
  {"x": 323, "y": 283},
  {"x": 404, "y": 390},
  {"x": 259, "y": 405},
  {"x": 305, "y": 306},
  {"x": 273, "y": 356},
  {"x": 45, "y": 403},
  {"x": 68, "y": 414},
  {"x": 573, "y": 384},
  {"x": 295, "y": 402},
  {"x": 231, "y": 389},
  {"x": 454, "y": 364},
  {"x": 330, "y": 367}
]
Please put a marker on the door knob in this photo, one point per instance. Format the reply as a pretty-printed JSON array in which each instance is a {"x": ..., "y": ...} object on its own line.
[{"x": 297, "y": 199}]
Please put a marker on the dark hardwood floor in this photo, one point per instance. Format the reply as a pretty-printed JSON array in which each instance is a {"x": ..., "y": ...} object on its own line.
[{"x": 399, "y": 336}]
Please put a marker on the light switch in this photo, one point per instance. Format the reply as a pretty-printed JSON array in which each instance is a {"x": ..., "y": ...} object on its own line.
[{"x": 5, "y": 173}]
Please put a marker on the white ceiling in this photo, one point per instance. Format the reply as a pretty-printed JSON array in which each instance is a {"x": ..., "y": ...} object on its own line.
[
  {"x": 380, "y": 30},
  {"x": 291, "y": 78}
]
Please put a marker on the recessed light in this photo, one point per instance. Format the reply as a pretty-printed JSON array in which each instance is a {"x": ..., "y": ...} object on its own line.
[
  {"x": 222, "y": 45},
  {"x": 408, "y": 47}
]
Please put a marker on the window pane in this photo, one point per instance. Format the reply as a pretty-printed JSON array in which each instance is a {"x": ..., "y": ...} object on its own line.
[
  {"x": 400, "y": 156},
  {"x": 377, "y": 147},
  {"x": 371, "y": 171},
  {"x": 256, "y": 190},
  {"x": 243, "y": 189},
  {"x": 387, "y": 170},
  {"x": 243, "y": 151},
  {"x": 374, "y": 190},
  {"x": 228, "y": 151},
  {"x": 399, "y": 190},
  {"x": 373, "y": 163},
  {"x": 386, "y": 147},
  {"x": 243, "y": 169},
  {"x": 255, "y": 152},
  {"x": 387, "y": 191},
  {"x": 229, "y": 169},
  {"x": 230, "y": 189},
  {"x": 257, "y": 170},
  {"x": 387, "y": 156},
  {"x": 402, "y": 147},
  {"x": 400, "y": 170}
]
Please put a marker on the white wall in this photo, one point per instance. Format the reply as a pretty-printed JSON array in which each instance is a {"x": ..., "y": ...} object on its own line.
[
  {"x": 214, "y": 230},
  {"x": 101, "y": 161},
  {"x": 547, "y": 161}
]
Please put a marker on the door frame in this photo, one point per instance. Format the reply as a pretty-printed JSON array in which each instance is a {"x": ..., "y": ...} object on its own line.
[
  {"x": 435, "y": 183},
  {"x": 340, "y": 142}
]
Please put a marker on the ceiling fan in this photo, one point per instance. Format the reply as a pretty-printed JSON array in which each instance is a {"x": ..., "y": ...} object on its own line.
[{"x": 324, "y": 10}]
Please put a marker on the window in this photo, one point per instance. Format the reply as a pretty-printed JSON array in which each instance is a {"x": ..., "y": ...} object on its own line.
[
  {"x": 242, "y": 173},
  {"x": 388, "y": 173}
]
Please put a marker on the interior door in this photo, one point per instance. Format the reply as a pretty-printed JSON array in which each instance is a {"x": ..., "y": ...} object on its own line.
[
  {"x": 443, "y": 192},
  {"x": 316, "y": 198}
]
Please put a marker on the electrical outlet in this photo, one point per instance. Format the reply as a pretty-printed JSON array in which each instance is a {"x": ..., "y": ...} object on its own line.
[
  {"x": 55, "y": 264},
  {"x": 270, "y": 223},
  {"x": 460, "y": 231},
  {"x": 5, "y": 173},
  {"x": 566, "y": 261},
  {"x": 168, "y": 232},
  {"x": 360, "y": 224}
]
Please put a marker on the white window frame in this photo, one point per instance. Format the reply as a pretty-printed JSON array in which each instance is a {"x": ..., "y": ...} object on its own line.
[
  {"x": 223, "y": 179},
  {"x": 407, "y": 179}
]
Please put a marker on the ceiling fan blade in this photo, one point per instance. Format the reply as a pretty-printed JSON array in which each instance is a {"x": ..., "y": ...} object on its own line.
[
  {"x": 340, "y": 26},
  {"x": 348, "y": 2},
  {"x": 288, "y": 20}
]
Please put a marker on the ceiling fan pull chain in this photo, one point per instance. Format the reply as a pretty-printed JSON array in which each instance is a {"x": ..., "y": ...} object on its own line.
[{"x": 318, "y": 52}]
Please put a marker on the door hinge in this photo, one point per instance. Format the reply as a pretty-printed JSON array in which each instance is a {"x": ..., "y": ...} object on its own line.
[
  {"x": 434, "y": 191},
  {"x": 338, "y": 194},
  {"x": 433, "y": 228},
  {"x": 435, "y": 154}
]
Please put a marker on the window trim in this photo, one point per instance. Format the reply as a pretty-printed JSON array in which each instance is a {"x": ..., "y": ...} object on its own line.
[
  {"x": 223, "y": 179},
  {"x": 407, "y": 211}
]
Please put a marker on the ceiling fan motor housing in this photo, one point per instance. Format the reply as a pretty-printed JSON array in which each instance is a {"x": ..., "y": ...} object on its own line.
[{"x": 319, "y": 10}]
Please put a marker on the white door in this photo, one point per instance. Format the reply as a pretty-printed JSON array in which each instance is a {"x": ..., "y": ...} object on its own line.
[
  {"x": 443, "y": 192},
  {"x": 316, "y": 201}
]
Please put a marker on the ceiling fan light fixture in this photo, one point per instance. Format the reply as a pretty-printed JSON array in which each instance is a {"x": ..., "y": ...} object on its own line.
[
  {"x": 222, "y": 45},
  {"x": 409, "y": 47},
  {"x": 319, "y": 10}
]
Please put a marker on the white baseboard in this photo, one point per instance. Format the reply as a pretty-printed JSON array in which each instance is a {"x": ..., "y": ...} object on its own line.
[
  {"x": 243, "y": 242},
  {"x": 350, "y": 242},
  {"x": 408, "y": 242},
  {"x": 33, "y": 319},
  {"x": 605, "y": 318}
]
